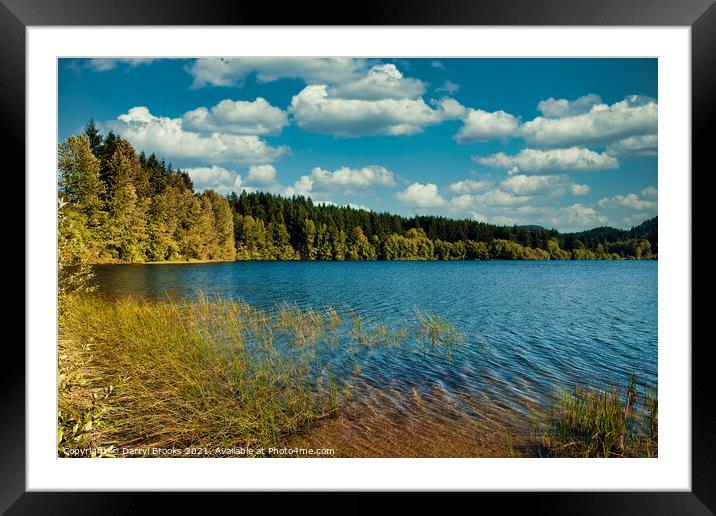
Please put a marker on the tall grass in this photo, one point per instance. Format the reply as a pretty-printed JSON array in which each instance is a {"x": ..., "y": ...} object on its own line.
[
  {"x": 592, "y": 422},
  {"x": 211, "y": 374}
]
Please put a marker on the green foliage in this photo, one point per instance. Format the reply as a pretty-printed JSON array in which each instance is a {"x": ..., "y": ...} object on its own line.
[
  {"x": 74, "y": 275},
  {"x": 129, "y": 208}
]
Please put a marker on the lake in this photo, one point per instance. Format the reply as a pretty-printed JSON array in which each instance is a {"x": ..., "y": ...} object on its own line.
[{"x": 529, "y": 327}]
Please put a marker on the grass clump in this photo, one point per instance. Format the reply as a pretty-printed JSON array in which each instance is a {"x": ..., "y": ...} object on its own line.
[
  {"x": 210, "y": 374},
  {"x": 433, "y": 331},
  {"x": 213, "y": 374},
  {"x": 591, "y": 422}
]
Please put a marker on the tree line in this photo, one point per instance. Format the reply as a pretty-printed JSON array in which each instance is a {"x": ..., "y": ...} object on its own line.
[{"x": 118, "y": 205}]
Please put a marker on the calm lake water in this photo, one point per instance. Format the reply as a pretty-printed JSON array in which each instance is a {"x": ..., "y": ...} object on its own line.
[{"x": 529, "y": 327}]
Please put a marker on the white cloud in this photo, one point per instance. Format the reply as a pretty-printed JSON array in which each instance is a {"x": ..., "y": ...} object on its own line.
[
  {"x": 211, "y": 175},
  {"x": 631, "y": 200},
  {"x": 419, "y": 195},
  {"x": 575, "y": 216},
  {"x": 237, "y": 117},
  {"x": 321, "y": 185},
  {"x": 302, "y": 186},
  {"x": 650, "y": 192},
  {"x": 537, "y": 161},
  {"x": 261, "y": 175},
  {"x": 381, "y": 81},
  {"x": 105, "y": 64},
  {"x": 602, "y": 124},
  {"x": 349, "y": 177},
  {"x": 560, "y": 108},
  {"x": 168, "y": 138},
  {"x": 481, "y": 126},
  {"x": 316, "y": 111},
  {"x": 645, "y": 145},
  {"x": 216, "y": 178},
  {"x": 230, "y": 72},
  {"x": 521, "y": 184},
  {"x": 521, "y": 210},
  {"x": 578, "y": 189},
  {"x": 508, "y": 208},
  {"x": 448, "y": 87},
  {"x": 437, "y": 64},
  {"x": 501, "y": 198},
  {"x": 470, "y": 186}
]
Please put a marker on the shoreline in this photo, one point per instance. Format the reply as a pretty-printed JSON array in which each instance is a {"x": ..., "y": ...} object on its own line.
[{"x": 195, "y": 262}]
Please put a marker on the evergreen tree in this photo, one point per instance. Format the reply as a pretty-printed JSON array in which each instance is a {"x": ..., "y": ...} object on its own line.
[
  {"x": 79, "y": 177},
  {"x": 94, "y": 137}
]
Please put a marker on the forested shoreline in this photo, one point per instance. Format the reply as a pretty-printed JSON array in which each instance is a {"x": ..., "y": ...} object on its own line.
[{"x": 120, "y": 206}]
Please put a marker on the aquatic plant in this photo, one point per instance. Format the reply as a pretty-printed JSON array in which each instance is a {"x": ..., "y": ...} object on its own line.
[
  {"x": 433, "y": 331},
  {"x": 213, "y": 374},
  {"x": 592, "y": 422}
]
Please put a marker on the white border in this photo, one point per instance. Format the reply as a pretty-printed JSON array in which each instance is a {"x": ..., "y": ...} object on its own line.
[{"x": 670, "y": 471}]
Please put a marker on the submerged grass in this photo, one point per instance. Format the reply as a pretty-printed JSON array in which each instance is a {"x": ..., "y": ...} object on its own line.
[
  {"x": 591, "y": 422},
  {"x": 433, "y": 331},
  {"x": 212, "y": 375}
]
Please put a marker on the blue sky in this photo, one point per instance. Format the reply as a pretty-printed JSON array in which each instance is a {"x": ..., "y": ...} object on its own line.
[{"x": 564, "y": 143}]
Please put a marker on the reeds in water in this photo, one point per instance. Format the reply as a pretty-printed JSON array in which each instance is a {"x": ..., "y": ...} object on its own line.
[{"x": 214, "y": 374}]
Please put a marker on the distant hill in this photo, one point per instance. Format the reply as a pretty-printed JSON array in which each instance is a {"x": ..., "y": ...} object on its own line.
[{"x": 647, "y": 230}]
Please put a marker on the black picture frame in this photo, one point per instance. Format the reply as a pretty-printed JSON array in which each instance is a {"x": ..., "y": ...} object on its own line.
[{"x": 700, "y": 15}]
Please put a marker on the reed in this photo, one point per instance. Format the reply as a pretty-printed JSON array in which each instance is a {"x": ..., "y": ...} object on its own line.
[
  {"x": 214, "y": 374},
  {"x": 592, "y": 422}
]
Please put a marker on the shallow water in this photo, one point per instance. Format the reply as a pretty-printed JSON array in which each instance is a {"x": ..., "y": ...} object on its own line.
[{"x": 529, "y": 327}]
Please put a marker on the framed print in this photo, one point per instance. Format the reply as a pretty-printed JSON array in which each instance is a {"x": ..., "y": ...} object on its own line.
[{"x": 416, "y": 252}]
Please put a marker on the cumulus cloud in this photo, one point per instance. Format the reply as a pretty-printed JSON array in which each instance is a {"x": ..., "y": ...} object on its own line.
[
  {"x": 237, "y": 117},
  {"x": 645, "y": 145},
  {"x": 261, "y": 175},
  {"x": 315, "y": 110},
  {"x": 419, "y": 195},
  {"x": 628, "y": 127},
  {"x": 650, "y": 192},
  {"x": 167, "y": 137},
  {"x": 538, "y": 161},
  {"x": 481, "y": 126},
  {"x": 216, "y": 178},
  {"x": 558, "y": 184},
  {"x": 470, "y": 186},
  {"x": 216, "y": 71},
  {"x": 381, "y": 81},
  {"x": 560, "y": 108},
  {"x": 321, "y": 185},
  {"x": 211, "y": 175},
  {"x": 575, "y": 216},
  {"x": 523, "y": 205},
  {"x": 579, "y": 189},
  {"x": 448, "y": 87},
  {"x": 631, "y": 200},
  {"x": 351, "y": 177},
  {"x": 507, "y": 209},
  {"x": 602, "y": 124},
  {"x": 105, "y": 64},
  {"x": 500, "y": 198}
]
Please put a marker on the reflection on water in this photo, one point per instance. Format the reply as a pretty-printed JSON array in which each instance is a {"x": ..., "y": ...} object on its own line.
[{"x": 528, "y": 327}]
